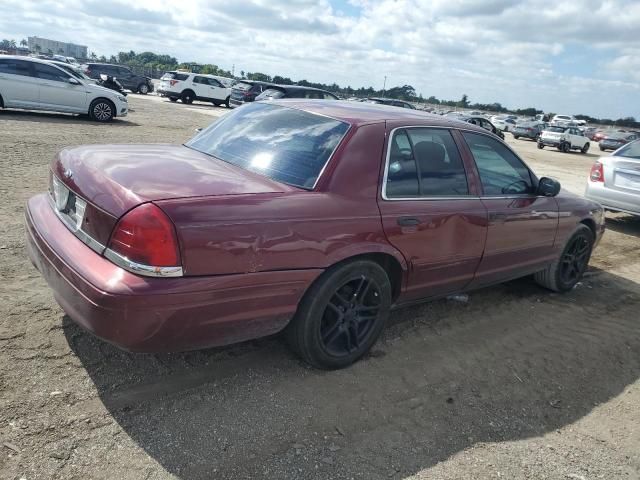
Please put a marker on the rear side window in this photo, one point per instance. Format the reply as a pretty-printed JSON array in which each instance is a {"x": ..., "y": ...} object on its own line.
[
  {"x": 424, "y": 162},
  {"x": 631, "y": 150},
  {"x": 501, "y": 172},
  {"x": 14, "y": 67},
  {"x": 175, "y": 76},
  {"x": 288, "y": 145}
]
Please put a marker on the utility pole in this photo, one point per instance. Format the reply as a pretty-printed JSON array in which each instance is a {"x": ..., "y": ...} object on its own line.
[
  {"x": 384, "y": 86},
  {"x": 233, "y": 70}
]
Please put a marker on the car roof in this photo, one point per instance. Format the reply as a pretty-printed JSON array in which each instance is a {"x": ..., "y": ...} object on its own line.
[
  {"x": 362, "y": 113},
  {"x": 29, "y": 59},
  {"x": 256, "y": 82},
  {"x": 297, "y": 87}
]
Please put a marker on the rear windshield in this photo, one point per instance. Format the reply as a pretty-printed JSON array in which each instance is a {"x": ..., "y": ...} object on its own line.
[
  {"x": 243, "y": 86},
  {"x": 556, "y": 129},
  {"x": 270, "y": 93},
  {"x": 631, "y": 150},
  {"x": 175, "y": 76},
  {"x": 285, "y": 144}
]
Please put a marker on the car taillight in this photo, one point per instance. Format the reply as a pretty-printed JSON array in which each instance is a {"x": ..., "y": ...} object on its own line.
[
  {"x": 597, "y": 173},
  {"x": 87, "y": 72},
  {"x": 247, "y": 94},
  {"x": 173, "y": 82},
  {"x": 144, "y": 241}
]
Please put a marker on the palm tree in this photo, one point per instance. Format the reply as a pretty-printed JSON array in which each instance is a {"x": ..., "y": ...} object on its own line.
[
  {"x": 93, "y": 56},
  {"x": 38, "y": 48},
  {"x": 61, "y": 51},
  {"x": 24, "y": 42},
  {"x": 49, "y": 51},
  {"x": 12, "y": 44}
]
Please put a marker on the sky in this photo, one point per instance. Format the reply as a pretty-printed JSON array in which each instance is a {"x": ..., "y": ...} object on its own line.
[{"x": 578, "y": 56}]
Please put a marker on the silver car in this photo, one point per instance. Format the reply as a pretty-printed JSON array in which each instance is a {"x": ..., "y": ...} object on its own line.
[{"x": 615, "y": 180}]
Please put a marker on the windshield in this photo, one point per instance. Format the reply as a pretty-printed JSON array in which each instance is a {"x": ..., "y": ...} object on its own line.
[
  {"x": 631, "y": 150},
  {"x": 243, "y": 86},
  {"x": 285, "y": 144}
]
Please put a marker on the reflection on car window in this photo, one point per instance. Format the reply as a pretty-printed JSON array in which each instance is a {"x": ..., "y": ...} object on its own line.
[
  {"x": 10, "y": 66},
  {"x": 285, "y": 144},
  {"x": 425, "y": 162},
  {"x": 501, "y": 172},
  {"x": 631, "y": 150},
  {"x": 47, "y": 72}
]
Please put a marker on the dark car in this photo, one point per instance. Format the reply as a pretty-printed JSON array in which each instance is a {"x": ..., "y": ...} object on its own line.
[
  {"x": 314, "y": 216},
  {"x": 128, "y": 79},
  {"x": 390, "y": 101},
  {"x": 615, "y": 140},
  {"x": 274, "y": 92},
  {"x": 246, "y": 91},
  {"x": 531, "y": 130},
  {"x": 482, "y": 122}
]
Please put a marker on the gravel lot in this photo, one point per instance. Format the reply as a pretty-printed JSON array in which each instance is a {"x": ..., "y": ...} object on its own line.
[{"x": 516, "y": 383}]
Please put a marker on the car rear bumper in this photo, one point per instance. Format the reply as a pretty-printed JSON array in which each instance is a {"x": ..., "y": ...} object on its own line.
[
  {"x": 167, "y": 93},
  {"x": 549, "y": 142},
  {"x": 143, "y": 314},
  {"x": 613, "y": 199}
]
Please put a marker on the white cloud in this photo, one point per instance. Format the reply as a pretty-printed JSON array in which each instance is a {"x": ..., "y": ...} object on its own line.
[{"x": 519, "y": 53}]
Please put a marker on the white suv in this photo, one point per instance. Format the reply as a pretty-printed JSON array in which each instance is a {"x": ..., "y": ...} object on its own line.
[
  {"x": 564, "y": 139},
  {"x": 194, "y": 86},
  {"x": 32, "y": 84}
]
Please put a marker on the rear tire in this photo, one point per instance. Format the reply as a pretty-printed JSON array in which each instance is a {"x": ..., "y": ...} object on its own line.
[
  {"x": 540, "y": 145},
  {"x": 516, "y": 136},
  {"x": 226, "y": 102},
  {"x": 188, "y": 97},
  {"x": 602, "y": 149},
  {"x": 566, "y": 147},
  {"x": 564, "y": 273},
  {"x": 342, "y": 315},
  {"x": 143, "y": 89},
  {"x": 102, "y": 110}
]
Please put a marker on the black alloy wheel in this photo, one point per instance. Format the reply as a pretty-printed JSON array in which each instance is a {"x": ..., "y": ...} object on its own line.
[
  {"x": 575, "y": 259},
  {"x": 349, "y": 316}
]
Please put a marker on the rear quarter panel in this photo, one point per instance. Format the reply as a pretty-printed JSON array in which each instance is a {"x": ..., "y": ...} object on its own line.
[{"x": 291, "y": 230}]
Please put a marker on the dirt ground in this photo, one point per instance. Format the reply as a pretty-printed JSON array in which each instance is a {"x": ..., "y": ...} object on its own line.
[{"x": 516, "y": 383}]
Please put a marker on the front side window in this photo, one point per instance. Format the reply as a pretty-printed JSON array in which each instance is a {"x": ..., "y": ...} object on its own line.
[
  {"x": 10, "y": 66},
  {"x": 424, "y": 162},
  {"x": 288, "y": 145},
  {"x": 501, "y": 172},
  {"x": 47, "y": 72}
]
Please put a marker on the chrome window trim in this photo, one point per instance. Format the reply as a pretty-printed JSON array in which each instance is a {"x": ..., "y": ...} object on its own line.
[
  {"x": 139, "y": 268},
  {"x": 76, "y": 228},
  {"x": 423, "y": 198},
  {"x": 452, "y": 197}
]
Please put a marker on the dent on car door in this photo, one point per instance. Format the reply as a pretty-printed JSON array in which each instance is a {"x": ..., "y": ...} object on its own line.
[
  {"x": 57, "y": 93},
  {"x": 430, "y": 213},
  {"x": 18, "y": 86},
  {"x": 522, "y": 226}
]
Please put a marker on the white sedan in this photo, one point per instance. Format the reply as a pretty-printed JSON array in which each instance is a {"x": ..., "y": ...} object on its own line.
[
  {"x": 504, "y": 124},
  {"x": 33, "y": 84}
]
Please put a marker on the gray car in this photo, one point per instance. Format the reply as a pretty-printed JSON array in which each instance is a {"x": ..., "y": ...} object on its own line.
[{"x": 615, "y": 180}]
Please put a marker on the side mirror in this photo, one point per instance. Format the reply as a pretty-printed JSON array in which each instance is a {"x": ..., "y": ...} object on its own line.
[
  {"x": 198, "y": 130},
  {"x": 74, "y": 81},
  {"x": 548, "y": 187}
]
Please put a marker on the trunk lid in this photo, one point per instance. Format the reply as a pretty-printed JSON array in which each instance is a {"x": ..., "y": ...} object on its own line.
[
  {"x": 116, "y": 178},
  {"x": 622, "y": 173}
]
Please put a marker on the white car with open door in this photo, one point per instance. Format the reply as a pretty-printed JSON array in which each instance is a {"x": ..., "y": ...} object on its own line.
[
  {"x": 33, "y": 84},
  {"x": 193, "y": 86},
  {"x": 564, "y": 139}
]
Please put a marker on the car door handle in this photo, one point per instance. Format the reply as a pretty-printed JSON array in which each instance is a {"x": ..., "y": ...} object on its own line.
[
  {"x": 408, "y": 221},
  {"x": 497, "y": 217}
]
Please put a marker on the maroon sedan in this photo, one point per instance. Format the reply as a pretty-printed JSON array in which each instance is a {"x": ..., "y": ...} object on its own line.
[{"x": 318, "y": 216}]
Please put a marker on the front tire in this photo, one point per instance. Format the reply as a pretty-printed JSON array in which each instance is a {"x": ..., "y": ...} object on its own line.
[
  {"x": 585, "y": 149},
  {"x": 566, "y": 147},
  {"x": 563, "y": 274},
  {"x": 143, "y": 88},
  {"x": 540, "y": 145},
  {"x": 102, "y": 110},
  {"x": 342, "y": 315},
  {"x": 226, "y": 102},
  {"x": 602, "y": 149},
  {"x": 516, "y": 136},
  {"x": 173, "y": 99}
]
